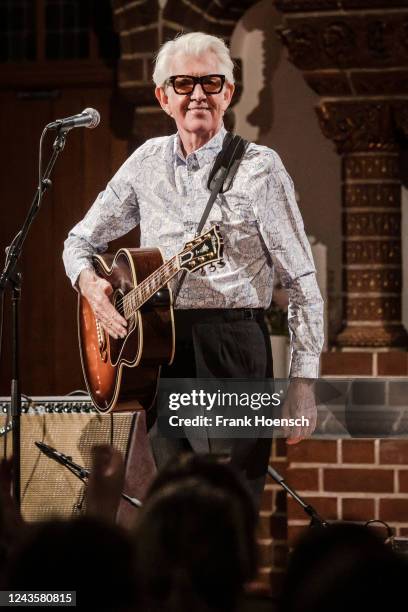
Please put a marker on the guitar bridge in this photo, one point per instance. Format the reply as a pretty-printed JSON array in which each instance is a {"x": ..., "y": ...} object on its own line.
[{"x": 102, "y": 342}]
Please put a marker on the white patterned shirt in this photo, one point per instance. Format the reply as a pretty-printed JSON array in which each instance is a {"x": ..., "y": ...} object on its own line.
[{"x": 259, "y": 220}]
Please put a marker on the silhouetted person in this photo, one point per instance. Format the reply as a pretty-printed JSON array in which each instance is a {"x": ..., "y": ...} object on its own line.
[
  {"x": 86, "y": 555},
  {"x": 218, "y": 473},
  {"x": 341, "y": 568},
  {"x": 193, "y": 546}
]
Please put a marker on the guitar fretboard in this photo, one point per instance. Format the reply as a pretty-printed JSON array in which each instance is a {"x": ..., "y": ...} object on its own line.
[{"x": 144, "y": 291}]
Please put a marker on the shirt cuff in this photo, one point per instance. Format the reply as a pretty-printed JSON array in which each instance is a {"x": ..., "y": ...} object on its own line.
[
  {"x": 304, "y": 365},
  {"x": 74, "y": 275}
]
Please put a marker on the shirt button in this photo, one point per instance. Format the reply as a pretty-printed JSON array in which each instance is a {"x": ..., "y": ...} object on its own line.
[{"x": 192, "y": 164}]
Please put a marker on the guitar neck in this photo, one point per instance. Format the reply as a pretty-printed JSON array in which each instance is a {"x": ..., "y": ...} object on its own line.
[{"x": 147, "y": 288}]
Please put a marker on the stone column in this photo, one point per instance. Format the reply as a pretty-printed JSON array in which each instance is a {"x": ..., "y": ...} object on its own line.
[
  {"x": 365, "y": 136},
  {"x": 354, "y": 54}
]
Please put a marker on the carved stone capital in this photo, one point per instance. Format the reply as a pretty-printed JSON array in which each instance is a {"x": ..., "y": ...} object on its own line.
[
  {"x": 357, "y": 60},
  {"x": 346, "y": 39},
  {"x": 359, "y": 126}
]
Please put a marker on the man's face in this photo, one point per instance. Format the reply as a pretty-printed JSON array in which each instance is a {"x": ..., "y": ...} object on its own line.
[{"x": 198, "y": 112}]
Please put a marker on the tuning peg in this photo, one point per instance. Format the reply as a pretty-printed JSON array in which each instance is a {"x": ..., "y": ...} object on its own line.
[{"x": 221, "y": 263}]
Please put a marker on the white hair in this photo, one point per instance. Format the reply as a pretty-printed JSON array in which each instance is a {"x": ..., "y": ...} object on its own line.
[{"x": 193, "y": 44}]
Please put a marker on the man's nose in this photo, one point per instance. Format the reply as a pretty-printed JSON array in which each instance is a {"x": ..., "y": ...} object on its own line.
[{"x": 198, "y": 93}]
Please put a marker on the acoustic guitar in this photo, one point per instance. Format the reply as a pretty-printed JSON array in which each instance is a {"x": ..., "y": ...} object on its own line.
[{"x": 122, "y": 374}]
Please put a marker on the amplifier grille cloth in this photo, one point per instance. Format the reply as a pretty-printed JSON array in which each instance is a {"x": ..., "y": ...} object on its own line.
[{"x": 48, "y": 489}]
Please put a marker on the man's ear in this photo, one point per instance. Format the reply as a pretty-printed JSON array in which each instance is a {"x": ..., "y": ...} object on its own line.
[{"x": 163, "y": 99}]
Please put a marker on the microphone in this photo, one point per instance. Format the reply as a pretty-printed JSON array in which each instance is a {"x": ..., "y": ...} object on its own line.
[
  {"x": 89, "y": 118},
  {"x": 64, "y": 460}
]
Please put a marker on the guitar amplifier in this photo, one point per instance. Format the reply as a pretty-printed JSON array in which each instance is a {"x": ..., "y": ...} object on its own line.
[
  {"x": 72, "y": 426},
  {"x": 51, "y": 404}
]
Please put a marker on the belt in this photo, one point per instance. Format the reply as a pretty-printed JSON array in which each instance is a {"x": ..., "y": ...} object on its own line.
[{"x": 218, "y": 314}]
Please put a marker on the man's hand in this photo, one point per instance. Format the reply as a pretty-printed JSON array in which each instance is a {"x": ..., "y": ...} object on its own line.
[
  {"x": 300, "y": 401},
  {"x": 97, "y": 291}
]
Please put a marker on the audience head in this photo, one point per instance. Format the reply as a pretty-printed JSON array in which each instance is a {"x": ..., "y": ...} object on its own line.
[
  {"x": 342, "y": 567},
  {"x": 85, "y": 555},
  {"x": 195, "y": 544}
]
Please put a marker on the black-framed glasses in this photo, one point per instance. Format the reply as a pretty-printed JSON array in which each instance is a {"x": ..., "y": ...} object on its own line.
[{"x": 184, "y": 84}]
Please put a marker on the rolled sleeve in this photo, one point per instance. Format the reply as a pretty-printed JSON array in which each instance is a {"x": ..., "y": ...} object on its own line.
[{"x": 281, "y": 227}]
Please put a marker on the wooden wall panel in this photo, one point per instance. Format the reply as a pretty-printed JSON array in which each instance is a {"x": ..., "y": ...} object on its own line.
[{"x": 49, "y": 356}]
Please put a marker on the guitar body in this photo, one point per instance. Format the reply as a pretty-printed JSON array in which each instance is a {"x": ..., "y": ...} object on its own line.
[{"x": 122, "y": 374}]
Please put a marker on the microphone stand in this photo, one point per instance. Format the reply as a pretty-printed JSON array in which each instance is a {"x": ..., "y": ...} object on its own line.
[
  {"x": 11, "y": 277},
  {"x": 316, "y": 519},
  {"x": 80, "y": 472}
]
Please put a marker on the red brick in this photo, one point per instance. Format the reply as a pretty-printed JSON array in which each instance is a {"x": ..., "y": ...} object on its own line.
[
  {"x": 279, "y": 555},
  {"x": 358, "y": 451},
  {"x": 281, "y": 468},
  {"x": 357, "y": 509},
  {"x": 272, "y": 525},
  {"x": 261, "y": 586},
  {"x": 348, "y": 364},
  {"x": 131, "y": 70},
  {"x": 303, "y": 479},
  {"x": 403, "y": 481},
  {"x": 279, "y": 500},
  {"x": 268, "y": 583},
  {"x": 394, "y": 363},
  {"x": 143, "y": 41},
  {"x": 403, "y": 531},
  {"x": 278, "y": 526},
  {"x": 272, "y": 555},
  {"x": 313, "y": 451},
  {"x": 279, "y": 447},
  {"x": 394, "y": 510},
  {"x": 376, "y": 481},
  {"x": 394, "y": 451},
  {"x": 325, "y": 506},
  {"x": 267, "y": 499},
  {"x": 265, "y": 554}
]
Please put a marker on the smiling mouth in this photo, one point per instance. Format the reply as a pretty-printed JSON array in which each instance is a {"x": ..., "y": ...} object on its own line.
[{"x": 198, "y": 108}]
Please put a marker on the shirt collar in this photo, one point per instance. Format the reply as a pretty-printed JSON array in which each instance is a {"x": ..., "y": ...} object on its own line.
[{"x": 204, "y": 154}]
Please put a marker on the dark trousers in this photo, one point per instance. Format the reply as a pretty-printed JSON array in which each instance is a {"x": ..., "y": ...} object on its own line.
[{"x": 216, "y": 343}]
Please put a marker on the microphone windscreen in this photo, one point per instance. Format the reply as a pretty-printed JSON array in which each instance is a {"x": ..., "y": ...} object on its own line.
[{"x": 93, "y": 113}]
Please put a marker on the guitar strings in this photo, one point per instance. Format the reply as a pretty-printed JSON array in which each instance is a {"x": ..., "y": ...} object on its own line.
[{"x": 158, "y": 275}]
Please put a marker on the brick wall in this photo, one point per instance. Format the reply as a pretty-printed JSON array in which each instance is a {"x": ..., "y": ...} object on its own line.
[
  {"x": 272, "y": 530},
  {"x": 344, "y": 479},
  {"x": 352, "y": 480}
]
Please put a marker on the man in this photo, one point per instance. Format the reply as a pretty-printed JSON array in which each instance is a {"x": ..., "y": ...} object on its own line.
[{"x": 220, "y": 330}]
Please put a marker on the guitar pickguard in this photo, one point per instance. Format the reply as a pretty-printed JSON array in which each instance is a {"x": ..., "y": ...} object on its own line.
[{"x": 117, "y": 346}]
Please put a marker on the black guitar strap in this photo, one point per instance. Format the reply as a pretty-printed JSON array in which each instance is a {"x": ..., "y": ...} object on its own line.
[{"x": 220, "y": 180}]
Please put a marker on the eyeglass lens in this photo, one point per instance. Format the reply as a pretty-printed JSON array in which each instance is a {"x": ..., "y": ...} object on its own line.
[{"x": 210, "y": 84}]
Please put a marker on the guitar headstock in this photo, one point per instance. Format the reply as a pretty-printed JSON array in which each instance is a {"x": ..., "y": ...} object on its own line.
[{"x": 205, "y": 249}]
